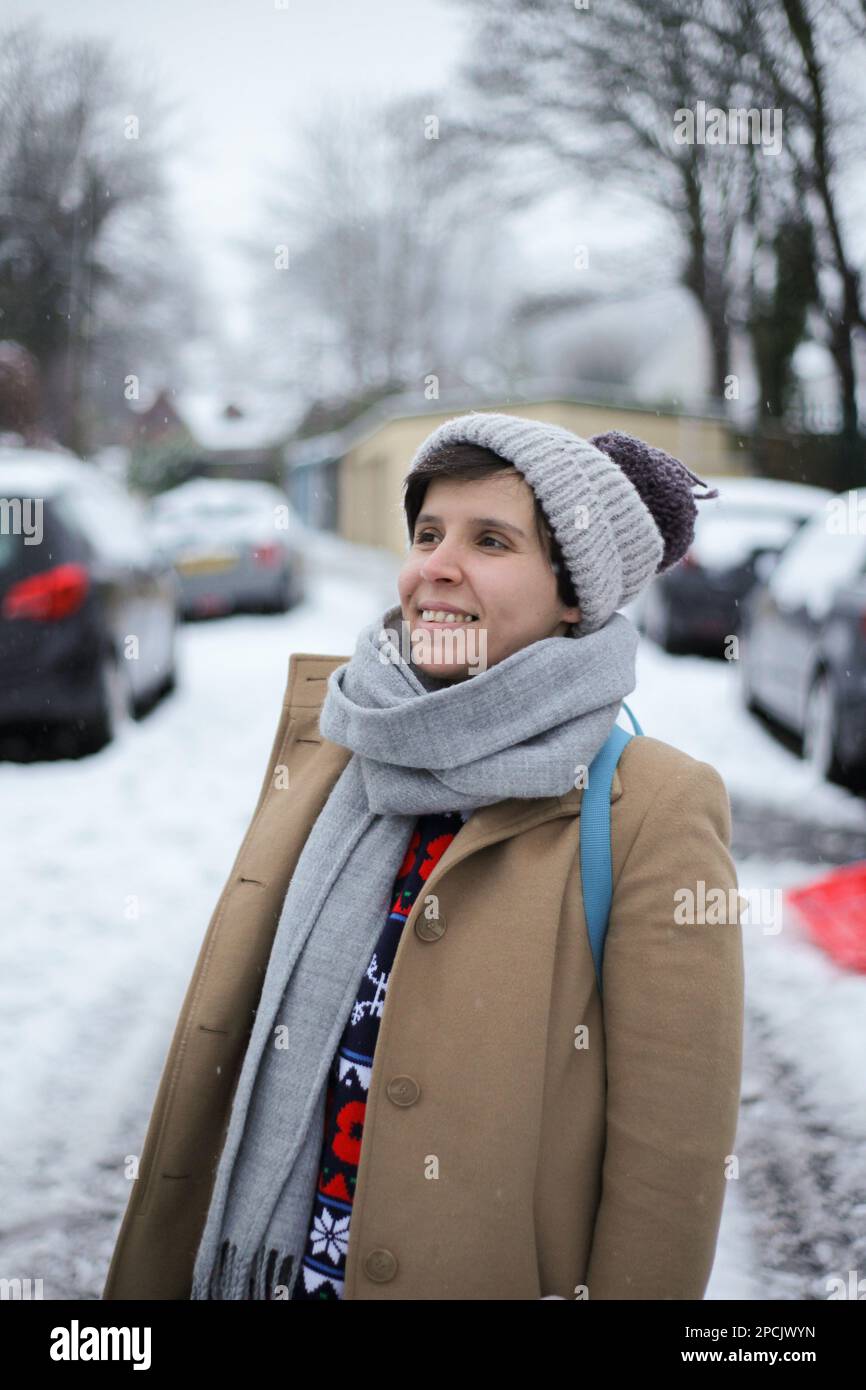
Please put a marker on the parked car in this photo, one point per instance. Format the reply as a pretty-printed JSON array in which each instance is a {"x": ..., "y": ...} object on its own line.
[
  {"x": 236, "y": 544},
  {"x": 802, "y": 655},
  {"x": 696, "y": 605},
  {"x": 78, "y": 577}
]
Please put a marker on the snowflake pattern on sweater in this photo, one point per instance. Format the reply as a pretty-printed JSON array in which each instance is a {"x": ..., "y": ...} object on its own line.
[{"x": 322, "y": 1272}]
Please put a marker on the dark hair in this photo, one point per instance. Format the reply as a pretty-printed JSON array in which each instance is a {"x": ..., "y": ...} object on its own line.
[{"x": 468, "y": 463}]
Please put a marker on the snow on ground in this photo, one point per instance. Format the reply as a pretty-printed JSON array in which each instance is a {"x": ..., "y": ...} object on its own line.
[
  {"x": 114, "y": 865},
  {"x": 797, "y": 1207}
]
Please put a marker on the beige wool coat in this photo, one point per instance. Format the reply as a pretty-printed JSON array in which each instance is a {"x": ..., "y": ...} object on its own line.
[{"x": 550, "y": 1145}]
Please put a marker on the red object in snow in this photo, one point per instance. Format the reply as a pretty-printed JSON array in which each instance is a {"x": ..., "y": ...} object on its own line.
[{"x": 833, "y": 910}]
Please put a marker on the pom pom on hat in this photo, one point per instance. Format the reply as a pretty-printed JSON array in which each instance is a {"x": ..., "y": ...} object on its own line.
[{"x": 664, "y": 487}]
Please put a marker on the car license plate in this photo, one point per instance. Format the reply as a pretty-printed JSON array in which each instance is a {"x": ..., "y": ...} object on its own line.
[{"x": 207, "y": 564}]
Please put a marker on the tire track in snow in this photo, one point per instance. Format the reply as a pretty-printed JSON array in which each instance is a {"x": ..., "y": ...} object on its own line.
[{"x": 803, "y": 1172}]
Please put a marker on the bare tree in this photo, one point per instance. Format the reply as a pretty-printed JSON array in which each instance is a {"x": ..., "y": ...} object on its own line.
[
  {"x": 798, "y": 38},
  {"x": 380, "y": 265},
  {"x": 89, "y": 271},
  {"x": 594, "y": 92},
  {"x": 796, "y": 275}
]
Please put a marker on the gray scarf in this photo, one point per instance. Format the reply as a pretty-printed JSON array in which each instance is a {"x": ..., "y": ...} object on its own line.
[{"x": 521, "y": 728}]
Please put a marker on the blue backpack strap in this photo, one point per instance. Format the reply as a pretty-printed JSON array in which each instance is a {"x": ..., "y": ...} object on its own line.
[
  {"x": 596, "y": 869},
  {"x": 637, "y": 728}
]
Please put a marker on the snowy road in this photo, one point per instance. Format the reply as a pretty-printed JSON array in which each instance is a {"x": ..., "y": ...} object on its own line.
[{"x": 114, "y": 864}]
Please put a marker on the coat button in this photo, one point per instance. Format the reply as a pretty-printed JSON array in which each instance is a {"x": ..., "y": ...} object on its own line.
[
  {"x": 430, "y": 928},
  {"x": 402, "y": 1090},
  {"x": 380, "y": 1265}
]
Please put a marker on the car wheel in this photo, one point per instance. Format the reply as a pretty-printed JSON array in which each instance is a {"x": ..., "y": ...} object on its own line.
[
  {"x": 819, "y": 734},
  {"x": 116, "y": 707},
  {"x": 169, "y": 682},
  {"x": 747, "y": 695},
  {"x": 285, "y": 598}
]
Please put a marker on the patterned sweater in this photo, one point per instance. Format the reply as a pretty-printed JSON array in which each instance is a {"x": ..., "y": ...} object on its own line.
[{"x": 322, "y": 1271}]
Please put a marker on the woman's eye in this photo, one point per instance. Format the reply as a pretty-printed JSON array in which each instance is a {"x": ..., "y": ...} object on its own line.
[{"x": 422, "y": 534}]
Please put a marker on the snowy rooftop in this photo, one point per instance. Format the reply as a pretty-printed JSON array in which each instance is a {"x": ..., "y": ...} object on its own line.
[{"x": 261, "y": 422}]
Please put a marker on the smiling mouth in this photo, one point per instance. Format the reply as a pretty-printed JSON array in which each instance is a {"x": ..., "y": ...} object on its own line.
[{"x": 440, "y": 618}]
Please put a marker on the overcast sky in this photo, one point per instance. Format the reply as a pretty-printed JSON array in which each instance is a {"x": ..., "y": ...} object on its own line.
[
  {"x": 244, "y": 72},
  {"x": 242, "y": 69}
]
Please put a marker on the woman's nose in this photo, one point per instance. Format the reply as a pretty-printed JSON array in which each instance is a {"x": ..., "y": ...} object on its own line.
[{"x": 444, "y": 561}]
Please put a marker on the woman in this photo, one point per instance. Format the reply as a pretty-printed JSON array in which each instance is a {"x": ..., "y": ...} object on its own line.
[{"x": 429, "y": 986}]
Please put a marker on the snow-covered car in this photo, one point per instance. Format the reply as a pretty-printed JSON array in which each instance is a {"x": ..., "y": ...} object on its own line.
[
  {"x": 79, "y": 577},
  {"x": 236, "y": 545},
  {"x": 695, "y": 606},
  {"x": 802, "y": 656}
]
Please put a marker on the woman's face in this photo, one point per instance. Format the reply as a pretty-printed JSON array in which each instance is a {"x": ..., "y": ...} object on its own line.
[{"x": 476, "y": 549}]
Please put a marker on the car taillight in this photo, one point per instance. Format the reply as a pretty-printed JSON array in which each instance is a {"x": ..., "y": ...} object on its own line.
[
  {"x": 53, "y": 594},
  {"x": 271, "y": 554}
]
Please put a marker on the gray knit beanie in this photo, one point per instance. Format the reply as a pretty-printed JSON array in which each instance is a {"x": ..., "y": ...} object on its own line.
[{"x": 621, "y": 510}]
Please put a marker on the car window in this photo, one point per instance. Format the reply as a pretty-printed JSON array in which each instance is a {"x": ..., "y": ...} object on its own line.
[{"x": 27, "y": 536}]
